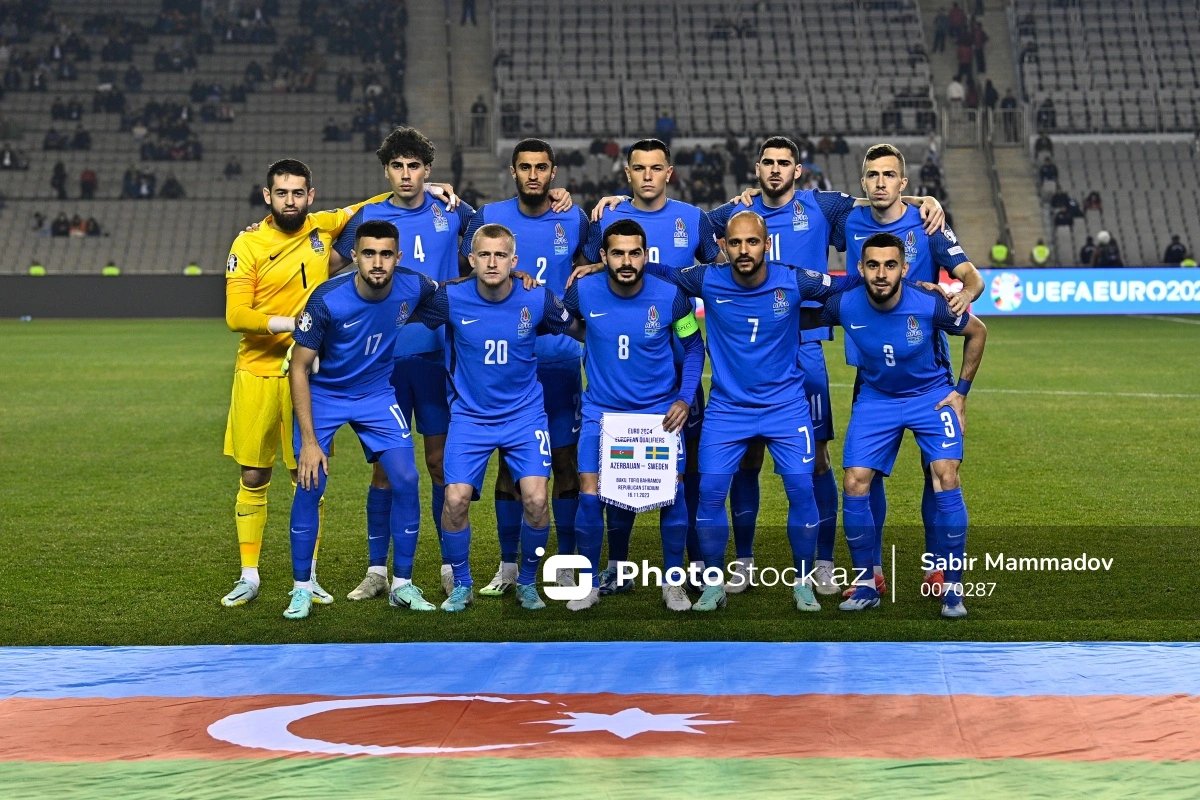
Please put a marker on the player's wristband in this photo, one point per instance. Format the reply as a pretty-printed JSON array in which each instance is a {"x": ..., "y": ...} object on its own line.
[{"x": 963, "y": 387}]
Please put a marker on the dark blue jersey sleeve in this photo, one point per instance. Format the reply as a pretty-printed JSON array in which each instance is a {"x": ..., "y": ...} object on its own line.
[
  {"x": 464, "y": 213},
  {"x": 719, "y": 217},
  {"x": 946, "y": 251},
  {"x": 946, "y": 320},
  {"x": 707, "y": 251},
  {"x": 435, "y": 312},
  {"x": 591, "y": 249},
  {"x": 555, "y": 317},
  {"x": 681, "y": 306},
  {"x": 816, "y": 285},
  {"x": 831, "y": 312},
  {"x": 345, "y": 241},
  {"x": 428, "y": 286},
  {"x": 476, "y": 222},
  {"x": 689, "y": 279},
  {"x": 571, "y": 300},
  {"x": 693, "y": 366},
  {"x": 314, "y": 321},
  {"x": 836, "y": 206},
  {"x": 585, "y": 228}
]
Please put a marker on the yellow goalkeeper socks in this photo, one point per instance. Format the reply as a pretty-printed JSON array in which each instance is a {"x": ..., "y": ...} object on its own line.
[{"x": 251, "y": 520}]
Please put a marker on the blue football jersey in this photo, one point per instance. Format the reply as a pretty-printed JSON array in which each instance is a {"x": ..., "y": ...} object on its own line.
[
  {"x": 490, "y": 346},
  {"x": 429, "y": 237},
  {"x": 925, "y": 253},
  {"x": 678, "y": 234},
  {"x": 800, "y": 232},
  {"x": 753, "y": 334},
  {"x": 546, "y": 248},
  {"x": 900, "y": 349},
  {"x": 630, "y": 365},
  {"x": 354, "y": 337}
]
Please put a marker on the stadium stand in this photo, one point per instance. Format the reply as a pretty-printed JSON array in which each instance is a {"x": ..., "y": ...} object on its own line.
[
  {"x": 286, "y": 114},
  {"x": 767, "y": 66},
  {"x": 1113, "y": 86}
]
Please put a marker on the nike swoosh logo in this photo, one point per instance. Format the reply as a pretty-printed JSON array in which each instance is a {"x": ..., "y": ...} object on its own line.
[
  {"x": 693, "y": 423},
  {"x": 815, "y": 524},
  {"x": 719, "y": 301},
  {"x": 947, "y": 444},
  {"x": 806, "y": 460},
  {"x": 593, "y": 314},
  {"x": 406, "y": 530},
  {"x": 576, "y": 429},
  {"x": 351, "y": 324},
  {"x": 405, "y": 435},
  {"x": 854, "y": 327},
  {"x": 469, "y": 321},
  {"x": 858, "y": 238},
  {"x": 240, "y": 514},
  {"x": 545, "y": 463},
  {"x": 742, "y": 513},
  {"x": 277, "y": 255}
]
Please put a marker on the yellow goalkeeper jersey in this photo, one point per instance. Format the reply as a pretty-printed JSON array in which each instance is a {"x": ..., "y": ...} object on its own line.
[{"x": 271, "y": 274}]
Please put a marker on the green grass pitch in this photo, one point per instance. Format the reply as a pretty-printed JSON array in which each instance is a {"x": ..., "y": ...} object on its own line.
[{"x": 116, "y": 522}]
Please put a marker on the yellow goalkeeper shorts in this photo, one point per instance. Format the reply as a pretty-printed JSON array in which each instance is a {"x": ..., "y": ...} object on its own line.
[{"x": 260, "y": 420}]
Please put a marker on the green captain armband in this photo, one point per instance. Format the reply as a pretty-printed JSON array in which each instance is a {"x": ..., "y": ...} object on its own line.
[{"x": 686, "y": 326}]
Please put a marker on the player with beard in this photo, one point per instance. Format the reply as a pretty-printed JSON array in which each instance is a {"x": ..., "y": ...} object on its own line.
[
  {"x": 801, "y": 226},
  {"x": 549, "y": 243},
  {"x": 269, "y": 276},
  {"x": 677, "y": 235},
  {"x": 904, "y": 384}
]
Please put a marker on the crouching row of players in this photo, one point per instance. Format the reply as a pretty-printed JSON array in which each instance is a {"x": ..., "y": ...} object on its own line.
[{"x": 625, "y": 313}]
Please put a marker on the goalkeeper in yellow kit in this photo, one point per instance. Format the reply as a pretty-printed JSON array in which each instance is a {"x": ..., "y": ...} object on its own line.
[{"x": 269, "y": 276}]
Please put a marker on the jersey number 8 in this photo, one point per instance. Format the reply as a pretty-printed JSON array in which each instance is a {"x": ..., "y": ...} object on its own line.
[{"x": 623, "y": 347}]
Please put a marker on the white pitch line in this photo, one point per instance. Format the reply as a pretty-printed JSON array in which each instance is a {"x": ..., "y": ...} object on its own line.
[
  {"x": 1180, "y": 320},
  {"x": 1066, "y": 393}
]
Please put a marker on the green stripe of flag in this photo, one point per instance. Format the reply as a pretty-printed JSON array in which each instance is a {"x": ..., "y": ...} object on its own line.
[{"x": 500, "y": 778}]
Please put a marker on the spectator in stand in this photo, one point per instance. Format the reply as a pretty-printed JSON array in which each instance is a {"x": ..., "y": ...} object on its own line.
[
  {"x": 171, "y": 189},
  {"x": 256, "y": 198},
  {"x": 1086, "y": 252},
  {"x": 1047, "y": 172},
  {"x": 972, "y": 98},
  {"x": 92, "y": 227},
  {"x": 956, "y": 21},
  {"x": 78, "y": 228},
  {"x": 1040, "y": 254},
  {"x": 1047, "y": 118},
  {"x": 1001, "y": 255},
  {"x": 61, "y": 226},
  {"x": 840, "y": 146},
  {"x": 146, "y": 183},
  {"x": 472, "y": 196},
  {"x": 1043, "y": 145},
  {"x": 479, "y": 111},
  {"x": 82, "y": 140},
  {"x": 956, "y": 93},
  {"x": 468, "y": 12},
  {"x": 88, "y": 184},
  {"x": 979, "y": 40},
  {"x": 965, "y": 56},
  {"x": 1107, "y": 253},
  {"x": 1063, "y": 217},
  {"x": 58, "y": 180},
  {"x": 990, "y": 95},
  {"x": 58, "y": 109},
  {"x": 1175, "y": 253},
  {"x": 133, "y": 79},
  {"x": 1092, "y": 201},
  {"x": 233, "y": 168},
  {"x": 53, "y": 140},
  {"x": 941, "y": 26},
  {"x": 664, "y": 127},
  {"x": 345, "y": 87},
  {"x": 1008, "y": 112},
  {"x": 333, "y": 133},
  {"x": 10, "y": 159}
]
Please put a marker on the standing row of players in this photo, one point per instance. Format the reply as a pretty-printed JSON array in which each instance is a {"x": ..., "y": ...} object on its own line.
[{"x": 270, "y": 273}]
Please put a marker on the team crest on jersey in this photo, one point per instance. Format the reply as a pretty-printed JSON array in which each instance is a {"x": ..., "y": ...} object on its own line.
[
  {"x": 653, "y": 323},
  {"x": 799, "y": 218},
  {"x": 781, "y": 304},
  {"x": 915, "y": 334},
  {"x": 403, "y": 315},
  {"x": 305, "y": 322},
  {"x": 910, "y": 246},
  {"x": 440, "y": 223},
  {"x": 681, "y": 234},
  {"x": 314, "y": 240},
  {"x": 231, "y": 264},
  {"x": 560, "y": 240},
  {"x": 526, "y": 323}
]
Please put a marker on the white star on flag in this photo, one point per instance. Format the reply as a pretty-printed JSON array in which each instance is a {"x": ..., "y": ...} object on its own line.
[{"x": 629, "y": 722}]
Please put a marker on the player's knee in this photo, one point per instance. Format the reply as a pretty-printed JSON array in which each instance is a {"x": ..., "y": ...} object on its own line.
[
  {"x": 857, "y": 481},
  {"x": 456, "y": 509},
  {"x": 256, "y": 477},
  {"x": 589, "y": 483},
  {"x": 798, "y": 486},
  {"x": 379, "y": 478},
  {"x": 945, "y": 475},
  {"x": 714, "y": 489}
]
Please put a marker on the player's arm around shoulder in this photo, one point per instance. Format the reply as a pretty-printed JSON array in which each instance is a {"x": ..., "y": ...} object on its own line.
[
  {"x": 434, "y": 312},
  {"x": 241, "y": 285}
]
